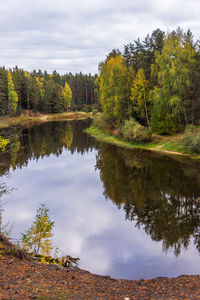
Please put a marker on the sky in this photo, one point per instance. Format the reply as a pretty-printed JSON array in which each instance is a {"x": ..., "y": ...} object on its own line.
[{"x": 73, "y": 36}]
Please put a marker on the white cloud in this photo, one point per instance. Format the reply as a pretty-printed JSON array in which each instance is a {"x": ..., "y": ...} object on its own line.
[{"x": 76, "y": 35}]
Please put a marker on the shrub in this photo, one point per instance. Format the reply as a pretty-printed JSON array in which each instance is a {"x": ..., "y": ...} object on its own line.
[
  {"x": 94, "y": 111},
  {"x": 134, "y": 132},
  {"x": 38, "y": 238},
  {"x": 191, "y": 139},
  {"x": 86, "y": 108},
  {"x": 100, "y": 121}
]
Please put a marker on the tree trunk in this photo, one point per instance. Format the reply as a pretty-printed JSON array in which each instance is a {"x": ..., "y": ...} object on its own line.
[{"x": 147, "y": 117}]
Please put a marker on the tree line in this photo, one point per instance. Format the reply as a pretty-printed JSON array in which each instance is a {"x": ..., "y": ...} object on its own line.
[
  {"x": 155, "y": 81},
  {"x": 43, "y": 92}
]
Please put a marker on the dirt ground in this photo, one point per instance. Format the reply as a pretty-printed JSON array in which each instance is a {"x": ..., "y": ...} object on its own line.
[{"x": 22, "y": 278}]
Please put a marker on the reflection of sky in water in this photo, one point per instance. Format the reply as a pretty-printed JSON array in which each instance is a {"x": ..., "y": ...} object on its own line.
[{"x": 86, "y": 224}]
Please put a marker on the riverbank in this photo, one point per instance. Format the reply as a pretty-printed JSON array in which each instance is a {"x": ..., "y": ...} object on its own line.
[
  {"x": 163, "y": 144},
  {"x": 23, "y": 278},
  {"x": 29, "y": 116}
]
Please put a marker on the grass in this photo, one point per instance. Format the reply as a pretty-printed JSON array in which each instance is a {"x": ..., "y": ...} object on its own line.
[
  {"x": 107, "y": 137},
  {"x": 168, "y": 144}
]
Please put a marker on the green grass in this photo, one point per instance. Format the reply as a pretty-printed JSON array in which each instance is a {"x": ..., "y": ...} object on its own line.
[
  {"x": 168, "y": 145},
  {"x": 107, "y": 137},
  {"x": 173, "y": 146}
]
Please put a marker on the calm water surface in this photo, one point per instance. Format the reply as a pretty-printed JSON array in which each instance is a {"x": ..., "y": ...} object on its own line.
[{"x": 127, "y": 214}]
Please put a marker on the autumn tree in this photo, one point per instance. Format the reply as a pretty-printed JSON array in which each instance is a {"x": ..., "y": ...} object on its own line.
[
  {"x": 12, "y": 95},
  {"x": 37, "y": 239},
  {"x": 67, "y": 94},
  {"x": 140, "y": 97},
  {"x": 114, "y": 86}
]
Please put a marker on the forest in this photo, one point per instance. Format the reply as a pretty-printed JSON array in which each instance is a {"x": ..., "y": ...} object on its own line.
[
  {"x": 46, "y": 93},
  {"x": 153, "y": 85}
]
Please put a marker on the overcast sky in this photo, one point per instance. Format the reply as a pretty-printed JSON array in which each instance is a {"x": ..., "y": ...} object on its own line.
[{"x": 75, "y": 35}]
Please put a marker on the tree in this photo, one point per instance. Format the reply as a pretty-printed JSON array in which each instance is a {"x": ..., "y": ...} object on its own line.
[
  {"x": 140, "y": 97},
  {"x": 68, "y": 137},
  {"x": 173, "y": 68},
  {"x": 3, "y": 91},
  {"x": 27, "y": 76},
  {"x": 37, "y": 239},
  {"x": 12, "y": 95},
  {"x": 114, "y": 85},
  {"x": 67, "y": 94}
]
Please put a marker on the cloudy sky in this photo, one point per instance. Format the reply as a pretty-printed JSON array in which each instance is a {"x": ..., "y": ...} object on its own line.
[{"x": 76, "y": 35}]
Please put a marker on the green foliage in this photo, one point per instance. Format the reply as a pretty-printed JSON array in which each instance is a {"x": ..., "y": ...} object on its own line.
[
  {"x": 190, "y": 141},
  {"x": 134, "y": 132},
  {"x": 114, "y": 88},
  {"x": 12, "y": 95},
  {"x": 87, "y": 108},
  {"x": 94, "y": 111},
  {"x": 173, "y": 69},
  {"x": 165, "y": 93},
  {"x": 3, "y": 91},
  {"x": 37, "y": 239},
  {"x": 100, "y": 121},
  {"x": 140, "y": 97},
  {"x": 43, "y": 92}
]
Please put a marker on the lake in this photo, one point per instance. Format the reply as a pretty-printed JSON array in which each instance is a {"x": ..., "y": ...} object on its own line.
[{"x": 126, "y": 213}]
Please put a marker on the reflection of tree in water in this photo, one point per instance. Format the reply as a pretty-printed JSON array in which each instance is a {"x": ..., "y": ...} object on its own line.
[
  {"x": 38, "y": 141},
  {"x": 4, "y": 228},
  {"x": 3, "y": 187},
  {"x": 3, "y": 191},
  {"x": 42, "y": 140},
  {"x": 157, "y": 192},
  {"x": 3, "y": 143}
]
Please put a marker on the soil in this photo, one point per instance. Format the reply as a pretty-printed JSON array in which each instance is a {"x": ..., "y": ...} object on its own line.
[
  {"x": 30, "y": 116},
  {"x": 22, "y": 278}
]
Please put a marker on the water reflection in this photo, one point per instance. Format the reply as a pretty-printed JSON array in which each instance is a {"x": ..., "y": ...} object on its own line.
[
  {"x": 59, "y": 165},
  {"x": 159, "y": 194},
  {"x": 42, "y": 140}
]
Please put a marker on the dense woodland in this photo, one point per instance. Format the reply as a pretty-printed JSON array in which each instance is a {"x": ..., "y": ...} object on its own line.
[
  {"x": 156, "y": 82},
  {"x": 43, "y": 92}
]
